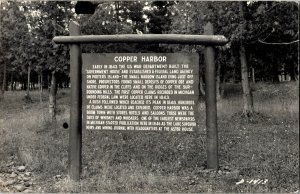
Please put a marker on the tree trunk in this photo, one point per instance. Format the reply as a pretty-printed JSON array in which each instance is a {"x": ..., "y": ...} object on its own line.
[
  {"x": 247, "y": 94},
  {"x": 218, "y": 82},
  {"x": 252, "y": 69},
  {"x": 201, "y": 87},
  {"x": 28, "y": 82},
  {"x": 41, "y": 87},
  {"x": 4, "y": 80},
  {"x": 48, "y": 81},
  {"x": 39, "y": 81},
  {"x": 52, "y": 97},
  {"x": 298, "y": 69},
  {"x": 186, "y": 22},
  {"x": 12, "y": 81},
  {"x": 117, "y": 8},
  {"x": 275, "y": 72},
  {"x": 1, "y": 95},
  {"x": 24, "y": 84},
  {"x": 253, "y": 75},
  {"x": 234, "y": 61},
  {"x": 6, "y": 83}
]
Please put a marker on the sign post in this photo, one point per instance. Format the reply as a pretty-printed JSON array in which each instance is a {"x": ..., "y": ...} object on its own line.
[
  {"x": 210, "y": 103},
  {"x": 75, "y": 137}
]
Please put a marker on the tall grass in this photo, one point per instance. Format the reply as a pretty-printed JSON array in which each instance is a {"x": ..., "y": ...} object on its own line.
[
  {"x": 277, "y": 101},
  {"x": 28, "y": 133}
]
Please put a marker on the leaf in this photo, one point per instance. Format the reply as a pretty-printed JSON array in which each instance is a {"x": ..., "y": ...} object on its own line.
[
  {"x": 260, "y": 10},
  {"x": 33, "y": 57},
  {"x": 9, "y": 56}
]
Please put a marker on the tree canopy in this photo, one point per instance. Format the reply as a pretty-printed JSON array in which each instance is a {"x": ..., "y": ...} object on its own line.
[{"x": 27, "y": 29}]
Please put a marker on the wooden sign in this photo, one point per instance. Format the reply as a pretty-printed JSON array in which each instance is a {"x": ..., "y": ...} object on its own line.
[
  {"x": 89, "y": 80},
  {"x": 144, "y": 91}
]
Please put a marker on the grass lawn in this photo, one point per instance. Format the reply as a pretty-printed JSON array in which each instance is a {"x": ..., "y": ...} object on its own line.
[{"x": 261, "y": 156}]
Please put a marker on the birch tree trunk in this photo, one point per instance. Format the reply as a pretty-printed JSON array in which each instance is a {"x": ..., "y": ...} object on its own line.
[
  {"x": 247, "y": 93},
  {"x": 52, "y": 97},
  {"x": 253, "y": 75}
]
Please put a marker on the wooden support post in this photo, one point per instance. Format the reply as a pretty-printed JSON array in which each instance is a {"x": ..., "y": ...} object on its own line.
[
  {"x": 207, "y": 40},
  {"x": 210, "y": 102},
  {"x": 75, "y": 137}
]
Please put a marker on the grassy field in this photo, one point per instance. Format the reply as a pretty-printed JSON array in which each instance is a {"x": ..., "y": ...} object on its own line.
[{"x": 261, "y": 156}]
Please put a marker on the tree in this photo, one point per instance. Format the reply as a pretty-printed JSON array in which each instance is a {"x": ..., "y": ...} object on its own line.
[
  {"x": 246, "y": 24},
  {"x": 159, "y": 21},
  {"x": 247, "y": 93},
  {"x": 189, "y": 18},
  {"x": 109, "y": 18},
  {"x": 13, "y": 42},
  {"x": 120, "y": 17},
  {"x": 278, "y": 37},
  {"x": 51, "y": 20}
]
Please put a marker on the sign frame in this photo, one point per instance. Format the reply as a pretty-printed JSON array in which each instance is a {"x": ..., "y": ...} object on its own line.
[{"x": 75, "y": 39}]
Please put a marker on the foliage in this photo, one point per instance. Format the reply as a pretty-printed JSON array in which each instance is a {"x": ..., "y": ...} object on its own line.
[
  {"x": 51, "y": 19},
  {"x": 31, "y": 44},
  {"x": 261, "y": 21},
  {"x": 109, "y": 18},
  {"x": 39, "y": 22},
  {"x": 14, "y": 42},
  {"x": 159, "y": 17}
]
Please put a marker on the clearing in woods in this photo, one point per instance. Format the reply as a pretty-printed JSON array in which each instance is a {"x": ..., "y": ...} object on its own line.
[{"x": 257, "y": 156}]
